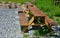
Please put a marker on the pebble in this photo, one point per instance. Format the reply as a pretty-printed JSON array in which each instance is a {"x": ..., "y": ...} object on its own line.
[{"x": 9, "y": 24}]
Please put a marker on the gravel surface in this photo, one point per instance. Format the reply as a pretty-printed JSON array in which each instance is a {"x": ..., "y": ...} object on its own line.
[{"x": 9, "y": 24}]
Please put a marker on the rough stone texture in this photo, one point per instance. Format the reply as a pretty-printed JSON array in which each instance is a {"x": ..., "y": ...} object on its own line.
[{"x": 9, "y": 24}]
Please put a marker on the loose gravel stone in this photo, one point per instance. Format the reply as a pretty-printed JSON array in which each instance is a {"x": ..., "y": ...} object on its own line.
[{"x": 9, "y": 23}]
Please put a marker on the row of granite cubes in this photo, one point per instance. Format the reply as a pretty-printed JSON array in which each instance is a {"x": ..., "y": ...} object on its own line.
[{"x": 11, "y": 5}]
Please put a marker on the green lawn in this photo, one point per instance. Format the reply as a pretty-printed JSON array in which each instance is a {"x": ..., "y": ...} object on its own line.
[{"x": 47, "y": 6}]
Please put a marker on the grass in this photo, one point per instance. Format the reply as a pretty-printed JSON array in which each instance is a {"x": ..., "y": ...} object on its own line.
[
  {"x": 42, "y": 31},
  {"x": 16, "y": 1},
  {"x": 48, "y": 7}
]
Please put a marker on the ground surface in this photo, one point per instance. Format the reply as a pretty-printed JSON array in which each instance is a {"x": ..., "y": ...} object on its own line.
[
  {"x": 9, "y": 24},
  {"x": 13, "y": 31}
]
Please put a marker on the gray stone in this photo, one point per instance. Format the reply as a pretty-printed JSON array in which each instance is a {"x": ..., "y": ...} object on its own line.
[{"x": 9, "y": 25}]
